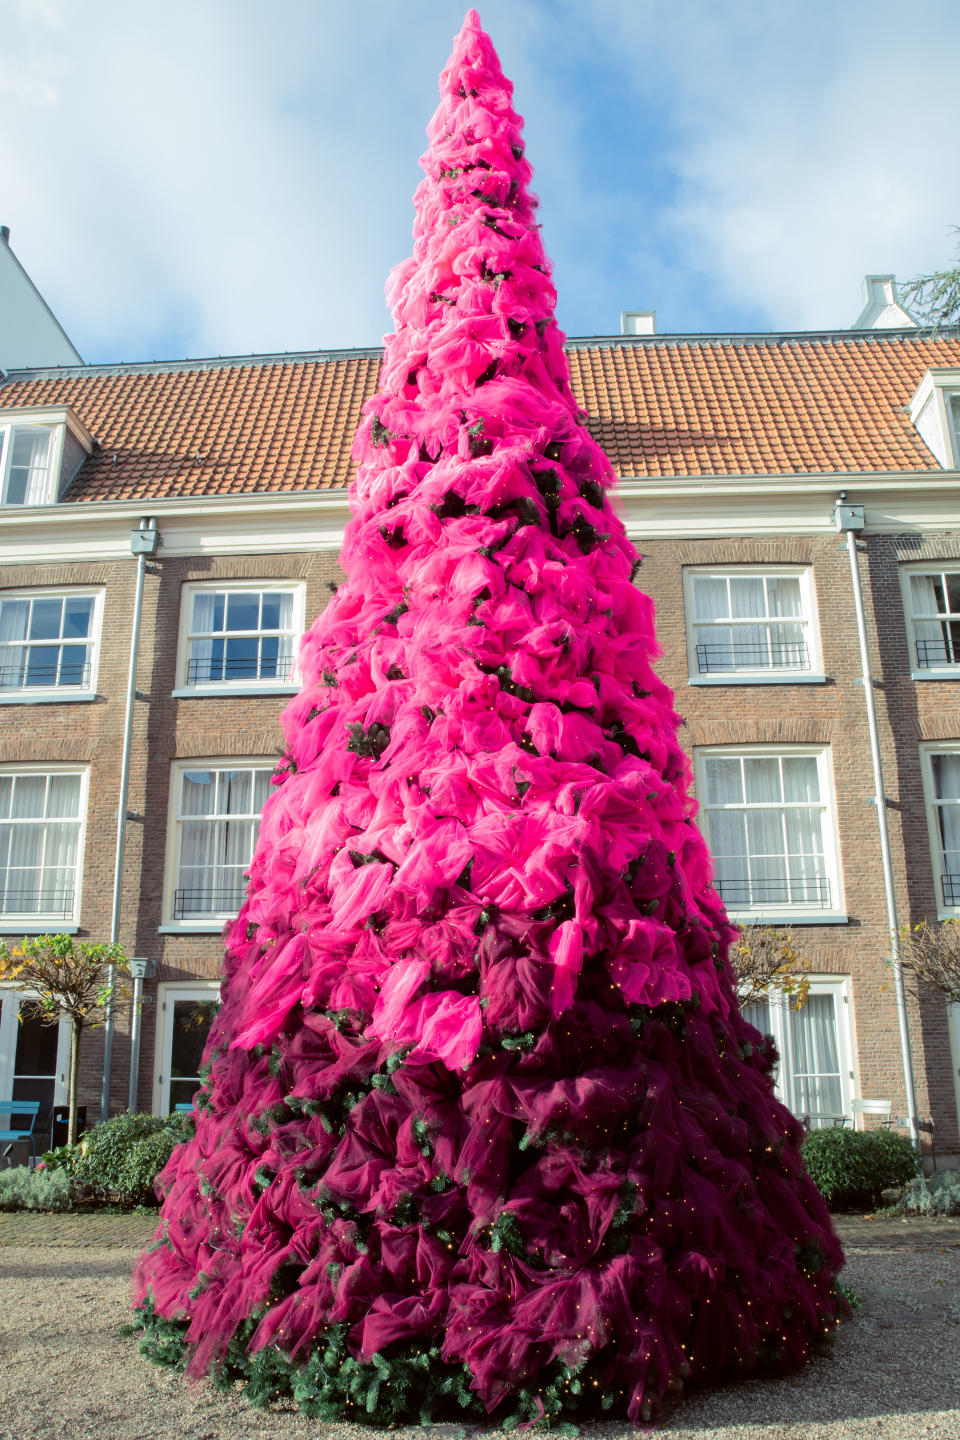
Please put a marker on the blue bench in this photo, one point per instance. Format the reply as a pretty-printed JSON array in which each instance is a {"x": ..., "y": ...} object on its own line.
[{"x": 24, "y": 1109}]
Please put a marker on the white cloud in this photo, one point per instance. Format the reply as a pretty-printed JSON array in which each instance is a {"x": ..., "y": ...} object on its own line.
[{"x": 219, "y": 176}]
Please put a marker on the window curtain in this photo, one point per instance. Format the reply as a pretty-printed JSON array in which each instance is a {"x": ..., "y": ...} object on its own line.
[
  {"x": 198, "y": 870},
  {"x": 204, "y": 649},
  {"x": 27, "y": 482},
  {"x": 14, "y": 618},
  {"x": 816, "y": 1060}
]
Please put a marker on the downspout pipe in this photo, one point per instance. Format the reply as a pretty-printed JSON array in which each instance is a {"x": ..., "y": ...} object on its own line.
[
  {"x": 143, "y": 542},
  {"x": 849, "y": 521}
]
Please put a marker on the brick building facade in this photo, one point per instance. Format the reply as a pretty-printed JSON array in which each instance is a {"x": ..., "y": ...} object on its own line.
[{"x": 732, "y": 453}]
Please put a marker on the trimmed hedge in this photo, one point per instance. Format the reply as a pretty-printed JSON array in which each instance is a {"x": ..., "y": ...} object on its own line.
[
  {"x": 851, "y": 1167},
  {"x": 119, "y": 1159}
]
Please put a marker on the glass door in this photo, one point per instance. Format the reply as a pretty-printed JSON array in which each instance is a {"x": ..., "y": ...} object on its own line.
[
  {"x": 187, "y": 1014},
  {"x": 34, "y": 1063}
]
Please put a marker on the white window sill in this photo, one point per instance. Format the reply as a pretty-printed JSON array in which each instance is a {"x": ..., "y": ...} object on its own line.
[
  {"x": 787, "y": 917},
  {"x": 33, "y": 926},
  {"x": 945, "y": 673},
  {"x": 205, "y": 692},
  {"x": 47, "y": 697},
  {"x": 196, "y": 927},
  {"x": 782, "y": 677}
]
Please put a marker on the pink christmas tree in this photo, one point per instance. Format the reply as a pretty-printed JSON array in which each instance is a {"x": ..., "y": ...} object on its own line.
[{"x": 482, "y": 1127}]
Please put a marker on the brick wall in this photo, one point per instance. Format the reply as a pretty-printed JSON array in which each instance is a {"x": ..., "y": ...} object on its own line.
[{"x": 831, "y": 713}]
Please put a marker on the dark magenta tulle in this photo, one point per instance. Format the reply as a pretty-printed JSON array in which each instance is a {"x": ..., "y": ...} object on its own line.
[{"x": 479, "y": 1077}]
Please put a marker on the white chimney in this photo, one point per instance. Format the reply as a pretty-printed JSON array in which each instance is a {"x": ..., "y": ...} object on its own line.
[
  {"x": 638, "y": 322},
  {"x": 881, "y": 306}
]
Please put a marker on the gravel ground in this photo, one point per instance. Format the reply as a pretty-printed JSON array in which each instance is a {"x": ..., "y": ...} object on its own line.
[{"x": 66, "y": 1374}]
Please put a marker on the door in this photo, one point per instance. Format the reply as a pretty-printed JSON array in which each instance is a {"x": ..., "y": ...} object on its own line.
[
  {"x": 186, "y": 1014},
  {"x": 34, "y": 1062}
]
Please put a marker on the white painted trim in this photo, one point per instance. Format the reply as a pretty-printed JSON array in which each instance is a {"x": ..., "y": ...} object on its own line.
[
  {"x": 52, "y": 927},
  {"x": 928, "y": 749},
  {"x": 733, "y": 680},
  {"x": 199, "y": 927},
  {"x": 786, "y": 914},
  {"x": 202, "y": 925},
  {"x": 36, "y": 924},
  {"x": 683, "y": 507},
  {"x": 298, "y": 589},
  {"x": 746, "y": 676},
  {"x": 66, "y": 695},
  {"x": 223, "y": 692},
  {"x": 840, "y": 988},
  {"x": 9, "y": 1019},
  {"x": 938, "y": 383},
  {"x": 936, "y": 566},
  {"x": 168, "y": 992}
]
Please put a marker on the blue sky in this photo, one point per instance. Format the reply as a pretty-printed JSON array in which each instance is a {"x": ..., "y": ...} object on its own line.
[{"x": 212, "y": 177}]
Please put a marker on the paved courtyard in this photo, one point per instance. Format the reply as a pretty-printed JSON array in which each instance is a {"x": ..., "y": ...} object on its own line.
[{"x": 67, "y": 1374}]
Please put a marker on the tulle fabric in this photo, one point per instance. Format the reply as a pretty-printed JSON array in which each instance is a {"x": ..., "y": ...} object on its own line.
[{"x": 479, "y": 979}]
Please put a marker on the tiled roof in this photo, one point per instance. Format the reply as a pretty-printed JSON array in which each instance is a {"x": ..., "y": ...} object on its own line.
[{"x": 660, "y": 406}]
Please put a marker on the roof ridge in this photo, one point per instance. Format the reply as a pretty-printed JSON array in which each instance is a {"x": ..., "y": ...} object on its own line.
[{"x": 732, "y": 338}]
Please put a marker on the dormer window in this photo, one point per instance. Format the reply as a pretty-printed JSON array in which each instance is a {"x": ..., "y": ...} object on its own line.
[
  {"x": 26, "y": 465},
  {"x": 41, "y": 450},
  {"x": 935, "y": 411}
]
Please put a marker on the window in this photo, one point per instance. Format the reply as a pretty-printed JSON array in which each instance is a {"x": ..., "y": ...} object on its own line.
[
  {"x": 25, "y": 464},
  {"x": 932, "y": 602},
  {"x": 754, "y": 625},
  {"x": 767, "y": 817},
  {"x": 935, "y": 413},
  {"x": 941, "y": 773},
  {"x": 186, "y": 1014},
  {"x": 240, "y": 637},
  {"x": 48, "y": 642},
  {"x": 41, "y": 824},
  {"x": 815, "y": 1075},
  {"x": 216, "y": 818}
]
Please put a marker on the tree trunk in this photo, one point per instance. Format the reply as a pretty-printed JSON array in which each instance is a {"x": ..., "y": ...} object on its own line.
[{"x": 76, "y": 1035}]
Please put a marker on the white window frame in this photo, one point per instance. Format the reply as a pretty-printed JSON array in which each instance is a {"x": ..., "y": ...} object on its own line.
[
  {"x": 168, "y": 993},
  {"x": 10, "y": 1001},
  {"x": 14, "y": 923},
  {"x": 947, "y": 670},
  {"x": 55, "y": 435},
  {"x": 780, "y": 1005},
  {"x": 948, "y": 897},
  {"x": 198, "y": 923},
  {"x": 935, "y": 413},
  {"x": 59, "y": 694},
  {"x": 245, "y": 685},
  {"x": 953, "y": 1022},
  {"x": 799, "y": 913},
  {"x": 812, "y": 674}
]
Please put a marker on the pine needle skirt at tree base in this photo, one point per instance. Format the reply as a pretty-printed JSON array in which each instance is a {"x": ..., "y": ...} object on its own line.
[{"x": 482, "y": 1131}]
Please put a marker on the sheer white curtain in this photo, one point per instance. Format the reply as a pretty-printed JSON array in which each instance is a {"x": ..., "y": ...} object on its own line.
[
  {"x": 946, "y": 784},
  {"x": 711, "y": 602},
  {"x": 816, "y": 1059},
  {"x": 206, "y": 616},
  {"x": 29, "y": 467},
  {"x": 927, "y": 598},
  {"x": 14, "y": 619},
  {"x": 198, "y": 870}
]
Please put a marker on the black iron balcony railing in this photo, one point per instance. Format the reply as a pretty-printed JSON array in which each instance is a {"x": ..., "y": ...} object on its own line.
[
  {"x": 933, "y": 653},
  {"x": 226, "y": 901},
  {"x": 49, "y": 674},
  {"x": 251, "y": 667},
  {"x": 57, "y": 904},
  {"x": 951, "y": 888},
  {"x": 813, "y": 890},
  {"x": 772, "y": 655}
]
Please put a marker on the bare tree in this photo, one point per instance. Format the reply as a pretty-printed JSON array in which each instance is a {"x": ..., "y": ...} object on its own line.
[
  {"x": 60, "y": 977},
  {"x": 935, "y": 298},
  {"x": 767, "y": 961},
  {"x": 930, "y": 958}
]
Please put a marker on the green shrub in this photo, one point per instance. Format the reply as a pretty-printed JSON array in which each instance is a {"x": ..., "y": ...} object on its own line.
[
  {"x": 119, "y": 1159},
  {"x": 24, "y": 1189},
  {"x": 851, "y": 1167},
  {"x": 932, "y": 1195}
]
